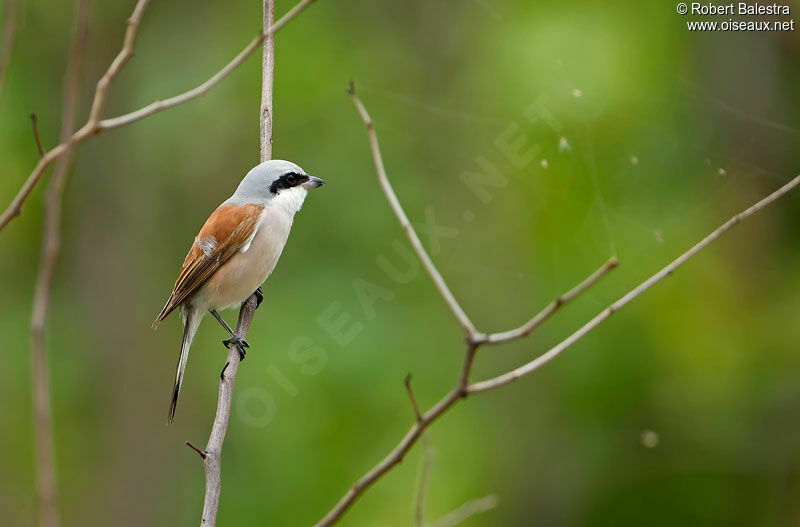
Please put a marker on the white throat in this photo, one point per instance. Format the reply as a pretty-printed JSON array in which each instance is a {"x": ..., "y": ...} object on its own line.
[{"x": 289, "y": 200}]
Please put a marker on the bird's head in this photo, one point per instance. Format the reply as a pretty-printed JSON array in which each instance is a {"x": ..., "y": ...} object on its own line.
[{"x": 276, "y": 183}]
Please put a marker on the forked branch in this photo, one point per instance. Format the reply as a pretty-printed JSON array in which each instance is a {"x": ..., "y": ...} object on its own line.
[
  {"x": 90, "y": 128},
  {"x": 96, "y": 125},
  {"x": 543, "y": 359},
  {"x": 476, "y": 339},
  {"x": 543, "y": 315}
]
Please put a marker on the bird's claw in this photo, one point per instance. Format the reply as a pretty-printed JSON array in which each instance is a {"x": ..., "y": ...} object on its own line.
[
  {"x": 235, "y": 341},
  {"x": 259, "y": 296},
  {"x": 240, "y": 344}
]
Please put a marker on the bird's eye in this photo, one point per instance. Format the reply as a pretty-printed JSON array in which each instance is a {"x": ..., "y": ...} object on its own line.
[{"x": 291, "y": 180}]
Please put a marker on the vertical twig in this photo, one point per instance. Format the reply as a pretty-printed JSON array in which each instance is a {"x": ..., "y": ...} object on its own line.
[
  {"x": 412, "y": 398},
  {"x": 267, "y": 81},
  {"x": 51, "y": 242},
  {"x": 425, "y": 468},
  {"x": 426, "y": 464},
  {"x": 37, "y": 136},
  {"x": 213, "y": 450}
]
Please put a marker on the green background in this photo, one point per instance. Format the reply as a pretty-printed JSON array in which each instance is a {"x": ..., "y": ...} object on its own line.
[{"x": 708, "y": 359}]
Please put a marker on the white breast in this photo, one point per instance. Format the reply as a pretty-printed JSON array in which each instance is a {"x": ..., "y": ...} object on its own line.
[
  {"x": 246, "y": 270},
  {"x": 267, "y": 245}
]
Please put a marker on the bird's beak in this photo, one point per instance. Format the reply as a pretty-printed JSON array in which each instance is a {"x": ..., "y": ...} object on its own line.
[{"x": 313, "y": 182}]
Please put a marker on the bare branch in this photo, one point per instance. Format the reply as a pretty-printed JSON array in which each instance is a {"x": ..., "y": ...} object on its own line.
[
  {"x": 525, "y": 329},
  {"x": 267, "y": 81},
  {"x": 393, "y": 458},
  {"x": 90, "y": 128},
  {"x": 119, "y": 61},
  {"x": 98, "y": 126},
  {"x": 425, "y": 468},
  {"x": 464, "y": 389},
  {"x": 15, "y": 208},
  {"x": 203, "y": 454},
  {"x": 459, "y": 313},
  {"x": 10, "y": 22},
  {"x": 204, "y": 88},
  {"x": 469, "y": 509},
  {"x": 644, "y": 286},
  {"x": 396, "y": 455},
  {"x": 36, "y": 135},
  {"x": 51, "y": 243},
  {"x": 213, "y": 450},
  {"x": 228, "y": 376},
  {"x": 466, "y": 368},
  {"x": 411, "y": 397}
]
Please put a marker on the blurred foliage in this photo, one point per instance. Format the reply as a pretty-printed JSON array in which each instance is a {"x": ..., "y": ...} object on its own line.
[{"x": 669, "y": 134}]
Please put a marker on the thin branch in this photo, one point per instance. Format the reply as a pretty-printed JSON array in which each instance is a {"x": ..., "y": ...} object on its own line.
[
  {"x": 119, "y": 61},
  {"x": 411, "y": 397},
  {"x": 267, "y": 81},
  {"x": 455, "y": 517},
  {"x": 475, "y": 340},
  {"x": 15, "y": 208},
  {"x": 398, "y": 453},
  {"x": 90, "y": 128},
  {"x": 426, "y": 466},
  {"x": 212, "y": 461},
  {"x": 455, "y": 307},
  {"x": 36, "y": 135},
  {"x": 10, "y": 22},
  {"x": 213, "y": 450},
  {"x": 96, "y": 127},
  {"x": 393, "y": 458},
  {"x": 203, "y": 454},
  {"x": 464, "y": 389},
  {"x": 466, "y": 368},
  {"x": 469, "y": 509},
  {"x": 51, "y": 243},
  {"x": 525, "y": 329},
  {"x": 204, "y": 88},
  {"x": 644, "y": 286}
]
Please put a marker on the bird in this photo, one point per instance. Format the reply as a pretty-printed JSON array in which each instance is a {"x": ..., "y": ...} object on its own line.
[{"x": 235, "y": 252}]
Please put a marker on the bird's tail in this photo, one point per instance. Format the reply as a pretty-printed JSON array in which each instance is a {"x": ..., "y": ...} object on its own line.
[{"x": 190, "y": 325}]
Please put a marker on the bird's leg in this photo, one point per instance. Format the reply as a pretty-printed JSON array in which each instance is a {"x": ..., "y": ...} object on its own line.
[
  {"x": 222, "y": 321},
  {"x": 259, "y": 296},
  {"x": 235, "y": 340}
]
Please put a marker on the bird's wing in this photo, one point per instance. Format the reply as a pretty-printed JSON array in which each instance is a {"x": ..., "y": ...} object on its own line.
[{"x": 227, "y": 230}]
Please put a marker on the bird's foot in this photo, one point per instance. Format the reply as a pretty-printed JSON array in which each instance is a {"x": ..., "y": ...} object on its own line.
[
  {"x": 240, "y": 344},
  {"x": 259, "y": 296}
]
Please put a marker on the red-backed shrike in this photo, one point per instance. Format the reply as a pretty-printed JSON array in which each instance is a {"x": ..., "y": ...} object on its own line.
[{"x": 235, "y": 251}]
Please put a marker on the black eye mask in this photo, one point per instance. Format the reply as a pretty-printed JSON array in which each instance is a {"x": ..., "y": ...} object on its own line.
[{"x": 288, "y": 180}]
